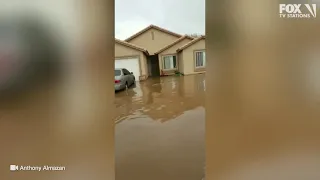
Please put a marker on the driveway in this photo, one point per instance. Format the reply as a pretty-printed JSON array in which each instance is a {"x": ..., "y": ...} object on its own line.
[{"x": 160, "y": 129}]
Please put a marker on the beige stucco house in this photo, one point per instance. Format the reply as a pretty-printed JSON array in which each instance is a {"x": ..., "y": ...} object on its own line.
[
  {"x": 155, "y": 51},
  {"x": 168, "y": 57}
]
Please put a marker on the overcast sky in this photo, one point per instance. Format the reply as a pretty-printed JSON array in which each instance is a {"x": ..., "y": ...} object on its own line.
[{"x": 180, "y": 16}]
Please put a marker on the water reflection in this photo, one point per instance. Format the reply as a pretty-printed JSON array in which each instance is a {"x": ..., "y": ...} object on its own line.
[
  {"x": 160, "y": 132},
  {"x": 161, "y": 99}
]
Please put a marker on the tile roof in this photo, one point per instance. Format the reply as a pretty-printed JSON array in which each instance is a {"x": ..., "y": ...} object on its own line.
[
  {"x": 132, "y": 46},
  {"x": 150, "y": 27},
  {"x": 190, "y": 43},
  {"x": 174, "y": 43}
]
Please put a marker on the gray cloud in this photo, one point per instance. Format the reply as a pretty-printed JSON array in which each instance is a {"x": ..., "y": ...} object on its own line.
[{"x": 180, "y": 16}]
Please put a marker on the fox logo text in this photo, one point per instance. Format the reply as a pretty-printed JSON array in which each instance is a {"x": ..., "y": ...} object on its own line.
[{"x": 298, "y": 10}]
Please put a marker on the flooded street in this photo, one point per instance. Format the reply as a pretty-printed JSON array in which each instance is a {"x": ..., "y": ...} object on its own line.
[{"x": 160, "y": 129}]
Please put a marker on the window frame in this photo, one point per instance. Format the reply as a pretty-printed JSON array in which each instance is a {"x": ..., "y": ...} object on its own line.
[
  {"x": 163, "y": 61},
  {"x": 195, "y": 59}
]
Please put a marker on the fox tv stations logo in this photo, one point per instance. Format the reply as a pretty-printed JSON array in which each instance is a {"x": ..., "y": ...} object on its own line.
[{"x": 298, "y": 10}]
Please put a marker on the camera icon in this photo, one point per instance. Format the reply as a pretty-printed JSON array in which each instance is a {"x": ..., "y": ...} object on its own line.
[{"x": 14, "y": 167}]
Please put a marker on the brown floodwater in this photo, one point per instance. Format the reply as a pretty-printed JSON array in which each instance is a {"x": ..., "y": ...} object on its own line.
[{"x": 160, "y": 129}]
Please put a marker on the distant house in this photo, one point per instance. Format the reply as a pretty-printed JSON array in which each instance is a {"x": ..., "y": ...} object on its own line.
[{"x": 155, "y": 51}]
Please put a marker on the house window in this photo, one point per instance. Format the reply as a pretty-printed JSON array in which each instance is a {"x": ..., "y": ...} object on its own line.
[
  {"x": 200, "y": 61},
  {"x": 169, "y": 62},
  {"x": 152, "y": 35}
]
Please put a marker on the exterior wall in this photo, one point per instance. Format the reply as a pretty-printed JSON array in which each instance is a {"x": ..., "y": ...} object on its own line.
[
  {"x": 189, "y": 58},
  {"x": 144, "y": 67},
  {"x": 181, "y": 63},
  {"x": 171, "y": 51},
  {"x": 160, "y": 40},
  {"x": 122, "y": 51}
]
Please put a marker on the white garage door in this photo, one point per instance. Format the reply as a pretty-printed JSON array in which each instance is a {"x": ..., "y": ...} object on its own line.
[{"x": 131, "y": 64}]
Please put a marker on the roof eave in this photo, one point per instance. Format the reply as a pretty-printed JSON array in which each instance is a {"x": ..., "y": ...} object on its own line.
[
  {"x": 132, "y": 46},
  {"x": 150, "y": 27},
  {"x": 174, "y": 43},
  {"x": 190, "y": 43},
  {"x": 138, "y": 33}
]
